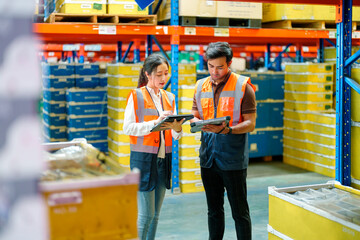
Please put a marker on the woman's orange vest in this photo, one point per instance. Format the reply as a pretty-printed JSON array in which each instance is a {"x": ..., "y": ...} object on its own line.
[{"x": 145, "y": 110}]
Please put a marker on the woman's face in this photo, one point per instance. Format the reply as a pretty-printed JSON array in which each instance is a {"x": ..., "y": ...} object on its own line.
[{"x": 158, "y": 78}]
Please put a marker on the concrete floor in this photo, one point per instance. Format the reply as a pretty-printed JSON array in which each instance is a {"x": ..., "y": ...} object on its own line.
[{"x": 184, "y": 216}]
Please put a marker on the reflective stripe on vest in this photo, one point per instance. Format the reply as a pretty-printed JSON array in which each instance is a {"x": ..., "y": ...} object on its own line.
[
  {"x": 145, "y": 110},
  {"x": 229, "y": 101}
]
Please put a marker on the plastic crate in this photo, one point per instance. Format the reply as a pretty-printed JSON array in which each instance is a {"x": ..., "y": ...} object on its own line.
[
  {"x": 89, "y": 108},
  {"x": 57, "y": 120},
  {"x": 116, "y": 125},
  {"x": 55, "y": 132},
  {"x": 258, "y": 144},
  {"x": 194, "y": 186},
  {"x": 117, "y": 102},
  {"x": 54, "y": 107},
  {"x": 124, "y": 69},
  {"x": 116, "y": 91},
  {"x": 103, "y": 80},
  {"x": 54, "y": 95},
  {"x": 90, "y": 134},
  {"x": 97, "y": 208},
  {"x": 189, "y": 162},
  {"x": 86, "y": 95},
  {"x": 122, "y": 159},
  {"x": 123, "y": 81},
  {"x": 308, "y": 87},
  {"x": 189, "y": 174},
  {"x": 101, "y": 145},
  {"x": 119, "y": 147},
  {"x": 269, "y": 114},
  {"x": 87, "y": 121},
  {"x": 58, "y": 69},
  {"x": 325, "y": 210},
  {"x": 58, "y": 82},
  {"x": 90, "y": 81},
  {"x": 87, "y": 69}
]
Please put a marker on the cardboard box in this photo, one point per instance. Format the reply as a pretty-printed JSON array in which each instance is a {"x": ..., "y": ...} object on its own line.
[
  {"x": 126, "y": 7},
  {"x": 231, "y": 9},
  {"x": 188, "y": 8},
  {"x": 277, "y": 12},
  {"x": 81, "y": 6}
]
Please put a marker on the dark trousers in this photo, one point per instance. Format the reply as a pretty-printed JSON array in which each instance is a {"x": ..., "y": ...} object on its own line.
[{"x": 215, "y": 182}]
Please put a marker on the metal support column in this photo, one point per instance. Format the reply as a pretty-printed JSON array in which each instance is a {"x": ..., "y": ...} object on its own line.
[
  {"x": 119, "y": 51},
  {"x": 343, "y": 100},
  {"x": 267, "y": 56},
  {"x": 175, "y": 40},
  {"x": 201, "y": 58},
  {"x": 137, "y": 51},
  {"x": 149, "y": 44},
  {"x": 320, "y": 51},
  {"x": 127, "y": 52},
  {"x": 298, "y": 53}
]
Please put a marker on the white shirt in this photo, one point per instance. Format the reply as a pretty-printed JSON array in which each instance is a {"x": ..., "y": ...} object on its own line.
[{"x": 131, "y": 127}]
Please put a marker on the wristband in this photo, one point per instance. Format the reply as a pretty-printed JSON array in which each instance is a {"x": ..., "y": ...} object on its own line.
[
  {"x": 221, "y": 130},
  {"x": 230, "y": 131}
]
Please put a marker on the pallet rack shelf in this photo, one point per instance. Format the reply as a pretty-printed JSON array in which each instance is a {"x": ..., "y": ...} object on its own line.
[{"x": 176, "y": 35}]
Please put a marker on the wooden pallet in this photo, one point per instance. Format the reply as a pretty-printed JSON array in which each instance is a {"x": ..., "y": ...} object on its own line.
[
  {"x": 102, "y": 19},
  {"x": 217, "y": 22},
  {"x": 304, "y": 24}
]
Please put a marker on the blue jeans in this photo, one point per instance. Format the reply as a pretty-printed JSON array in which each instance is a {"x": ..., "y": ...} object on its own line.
[{"x": 149, "y": 205}]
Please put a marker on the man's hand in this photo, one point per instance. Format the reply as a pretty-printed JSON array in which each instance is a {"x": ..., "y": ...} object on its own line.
[{"x": 214, "y": 128}]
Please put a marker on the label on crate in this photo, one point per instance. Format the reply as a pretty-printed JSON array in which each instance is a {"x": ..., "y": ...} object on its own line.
[
  {"x": 97, "y": 6},
  {"x": 129, "y": 6},
  {"x": 107, "y": 30},
  {"x": 221, "y": 32},
  {"x": 356, "y": 35},
  {"x": 190, "y": 31},
  {"x": 332, "y": 34},
  {"x": 86, "y": 6},
  {"x": 253, "y": 147}
]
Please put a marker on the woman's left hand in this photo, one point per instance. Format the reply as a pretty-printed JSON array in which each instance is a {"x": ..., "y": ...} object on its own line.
[{"x": 175, "y": 125}]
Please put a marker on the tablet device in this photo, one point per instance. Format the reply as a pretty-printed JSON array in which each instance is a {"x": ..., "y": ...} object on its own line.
[
  {"x": 196, "y": 126},
  {"x": 171, "y": 118}
]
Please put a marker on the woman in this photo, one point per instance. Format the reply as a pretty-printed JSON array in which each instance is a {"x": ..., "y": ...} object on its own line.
[{"x": 151, "y": 152}]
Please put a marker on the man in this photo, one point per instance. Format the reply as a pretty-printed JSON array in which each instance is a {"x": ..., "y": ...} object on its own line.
[{"x": 224, "y": 153}]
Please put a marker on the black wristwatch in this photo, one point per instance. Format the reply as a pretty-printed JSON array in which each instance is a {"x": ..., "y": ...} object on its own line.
[{"x": 230, "y": 131}]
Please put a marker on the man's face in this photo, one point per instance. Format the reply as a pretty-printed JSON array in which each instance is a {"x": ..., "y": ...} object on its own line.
[{"x": 218, "y": 68}]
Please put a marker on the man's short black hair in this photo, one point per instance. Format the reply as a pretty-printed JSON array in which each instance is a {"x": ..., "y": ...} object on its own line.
[{"x": 219, "y": 49}]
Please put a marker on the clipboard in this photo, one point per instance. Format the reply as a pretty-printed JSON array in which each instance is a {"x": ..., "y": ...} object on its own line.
[
  {"x": 196, "y": 126},
  {"x": 171, "y": 118}
]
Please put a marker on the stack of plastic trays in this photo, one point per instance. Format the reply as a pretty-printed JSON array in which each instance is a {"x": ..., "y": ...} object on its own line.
[
  {"x": 87, "y": 116},
  {"x": 266, "y": 139},
  {"x": 355, "y": 130},
  {"x": 122, "y": 78},
  {"x": 57, "y": 77},
  {"x": 189, "y": 162},
  {"x": 309, "y": 120},
  {"x": 88, "y": 75},
  {"x": 309, "y": 141}
]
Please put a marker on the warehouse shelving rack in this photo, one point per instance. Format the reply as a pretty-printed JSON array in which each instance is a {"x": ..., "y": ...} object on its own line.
[{"x": 176, "y": 35}]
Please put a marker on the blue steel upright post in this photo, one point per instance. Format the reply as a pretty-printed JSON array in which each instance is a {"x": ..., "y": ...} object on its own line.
[
  {"x": 320, "y": 51},
  {"x": 175, "y": 38},
  {"x": 149, "y": 43},
  {"x": 343, "y": 100}
]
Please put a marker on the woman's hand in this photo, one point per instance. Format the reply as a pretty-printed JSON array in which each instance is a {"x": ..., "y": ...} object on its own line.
[
  {"x": 175, "y": 125},
  {"x": 162, "y": 116}
]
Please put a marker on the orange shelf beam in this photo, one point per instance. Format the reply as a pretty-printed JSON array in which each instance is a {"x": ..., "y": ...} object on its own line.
[
  {"x": 322, "y": 2},
  {"x": 89, "y": 33}
]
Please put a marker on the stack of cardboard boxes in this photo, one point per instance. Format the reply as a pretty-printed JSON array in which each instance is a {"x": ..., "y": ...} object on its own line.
[
  {"x": 211, "y": 9},
  {"x": 309, "y": 126},
  {"x": 121, "y": 7}
]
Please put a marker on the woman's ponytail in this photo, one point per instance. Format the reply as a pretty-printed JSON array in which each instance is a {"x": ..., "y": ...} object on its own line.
[{"x": 142, "y": 78}]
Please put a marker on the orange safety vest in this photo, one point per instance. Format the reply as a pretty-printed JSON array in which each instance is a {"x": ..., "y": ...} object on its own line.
[
  {"x": 229, "y": 101},
  {"x": 145, "y": 110}
]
